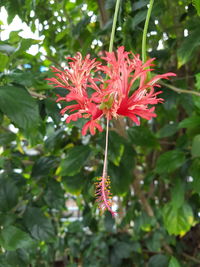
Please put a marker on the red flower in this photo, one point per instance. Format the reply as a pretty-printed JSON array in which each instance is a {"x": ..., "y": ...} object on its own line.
[
  {"x": 124, "y": 71},
  {"x": 113, "y": 97},
  {"x": 77, "y": 78}
]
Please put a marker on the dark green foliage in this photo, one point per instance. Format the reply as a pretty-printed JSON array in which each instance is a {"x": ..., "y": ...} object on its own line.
[{"x": 48, "y": 214}]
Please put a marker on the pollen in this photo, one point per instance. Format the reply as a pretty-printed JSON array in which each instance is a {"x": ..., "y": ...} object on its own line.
[{"x": 103, "y": 194}]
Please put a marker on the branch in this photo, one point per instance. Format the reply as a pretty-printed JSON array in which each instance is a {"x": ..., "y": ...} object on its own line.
[
  {"x": 37, "y": 95},
  {"x": 179, "y": 90},
  {"x": 190, "y": 257},
  {"x": 103, "y": 12}
]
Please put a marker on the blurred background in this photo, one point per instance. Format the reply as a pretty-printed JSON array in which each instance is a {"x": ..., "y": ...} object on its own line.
[{"x": 48, "y": 214}]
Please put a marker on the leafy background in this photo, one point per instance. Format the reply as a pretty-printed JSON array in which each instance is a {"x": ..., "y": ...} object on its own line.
[{"x": 48, "y": 215}]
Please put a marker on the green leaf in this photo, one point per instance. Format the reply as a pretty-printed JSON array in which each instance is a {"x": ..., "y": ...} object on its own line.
[
  {"x": 39, "y": 226},
  {"x": 52, "y": 110},
  {"x": 55, "y": 139},
  {"x": 178, "y": 221},
  {"x": 7, "y": 218},
  {"x": 54, "y": 195},
  {"x": 123, "y": 249},
  {"x": 8, "y": 49},
  {"x": 6, "y": 138},
  {"x": 122, "y": 177},
  {"x": 139, "y": 4},
  {"x": 4, "y": 59},
  {"x": 194, "y": 172},
  {"x": 61, "y": 35},
  {"x": 154, "y": 242},
  {"x": 158, "y": 261},
  {"x": 8, "y": 194},
  {"x": 188, "y": 46},
  {"x": 4, "y": 263},
  {"x": 18, "y": 258},
  {"x": 25, "y": 45},
  {"x": 75, "y": 160},
  {"x": 197, "y": 77},
  {"x": 23, "y": 78},
  {"x": 173, "y": 262},
  {"x": 191, "y": 122},
  {"x": 144, "y": 222},
  {"x": 109, "y": 222},
  {"x": 116, "y": 148},
  {"x": 142, "y": 136},
  {"x": 167, "y": 130},
  {"x": 138, "y": 18},
  {"x": 196, "y": 4},
  {"x": 43, "y": 166},
  {"x": 196, "y": 146},
  {"x": 178, "y": 192},
  {"x": 73, "y": 184},
  {"x": 13, "y": 238},
  {"x": 170, "y": 161},
  {"x": 19, "y": 106}
]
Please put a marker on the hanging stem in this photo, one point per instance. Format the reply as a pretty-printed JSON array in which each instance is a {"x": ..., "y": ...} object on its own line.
[
  {"x": 103, "y": 185},
  {"x": 106, "y": 150},
  {"x": 114, "y": 26},
  {"x": 144, "y": 37}
]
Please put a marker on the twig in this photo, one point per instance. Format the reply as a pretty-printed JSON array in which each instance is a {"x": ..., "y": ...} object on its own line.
[
  {"x": 191, "y": 257},
  {"x": 179, "y": 90},
  {"x": 103, "y": 12},
  {"x": 34, "y": 94}
]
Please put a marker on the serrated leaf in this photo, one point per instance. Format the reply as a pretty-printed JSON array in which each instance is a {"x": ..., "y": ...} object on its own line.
[
  {"x": 170, "y": 161},
  {"x": 178, "y": 221},
  {"x": 13, "y": 238},
  {"x": 123, "y": 249},
  {"x": 158, "y": 261},
  {"x": 19, "y": 106},
  {"x": 75, "y": 160},
  {"x": 142, "y": 136},
  {"x": 167, "y": 130},
  {"x": 54, "y": 195},
  {"x": 6, "y": 138},
  {"x": 39, "y": 226},
  {"x": 43, "y": 166},
  {"x": 73, "y": 184},
  {"x": 8, "y": 194}
]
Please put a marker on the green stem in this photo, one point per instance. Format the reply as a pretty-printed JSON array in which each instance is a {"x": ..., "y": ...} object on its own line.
[
  {"x": 104, "y": 175},
  {"x": 114, "y": 26},
  {"x": 144, "y": 37}
]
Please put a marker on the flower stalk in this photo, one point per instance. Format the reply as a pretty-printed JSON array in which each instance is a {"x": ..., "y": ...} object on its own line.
[
  {"x": 144, "y": 37},
  {"x": 114, "y": 25},
  {"x": 105, "y": 181}
]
